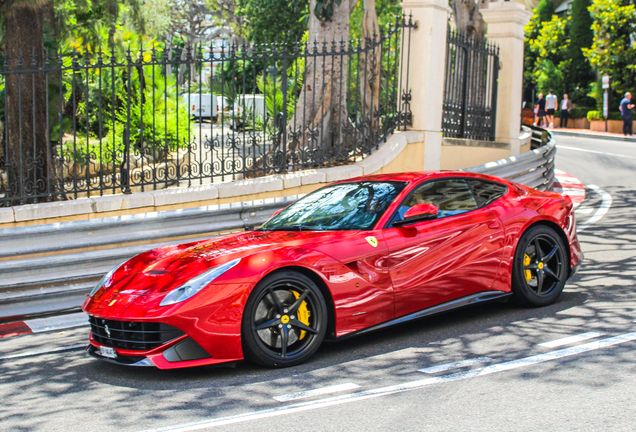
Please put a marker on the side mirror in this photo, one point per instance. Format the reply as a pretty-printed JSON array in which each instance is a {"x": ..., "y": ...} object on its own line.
[{"x": 418, "y": 213}]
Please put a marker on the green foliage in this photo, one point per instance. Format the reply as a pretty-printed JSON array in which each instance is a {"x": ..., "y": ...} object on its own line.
[
  {"x": 598, "y": 115},
  {"x": 224, "y": 89},
  {"x": 234, "y": 72},
  {"x": 386, "y": 10},
  {"x": 581, "y": 36},
  {"x": 553, "y": 40},
  {"x": 533, "y": 30},
  {"x": 157, "y": 118},
  {"x": 580, "y": 112},
  {"x": 596, "y": 92},
  {"x": 549, "y": 51},
  {"x": 274, "y": 21},
  {"x": 550, "y": 77},
  {"x": 545, "y": 10},
  {"x": 613, "y": 52}
]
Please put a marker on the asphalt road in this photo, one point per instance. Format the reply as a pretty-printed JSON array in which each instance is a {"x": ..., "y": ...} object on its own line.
[{"x": 502, "y": 379}]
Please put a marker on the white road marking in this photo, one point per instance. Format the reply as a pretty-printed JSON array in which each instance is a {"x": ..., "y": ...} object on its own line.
[
  {"x": 40, "y": 325},
  {"x": 34, "y": 353},
  {"x": 595, "y": 151},
  {"x": 455, "y": 365},
  {"x": 399, "y": 388},
  {"x": 570, "y": 340},
  {"x": 602, "y": 210},
  {"x": 316, "y": 392}
]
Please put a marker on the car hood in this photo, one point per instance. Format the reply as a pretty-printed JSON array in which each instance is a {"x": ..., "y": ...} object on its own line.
[{"x": 158, "y": 271}]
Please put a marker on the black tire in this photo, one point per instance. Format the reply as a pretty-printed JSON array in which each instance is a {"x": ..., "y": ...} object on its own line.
[
  {"x": 284, "y": 321},
  {"x": 539, "y": 275}
]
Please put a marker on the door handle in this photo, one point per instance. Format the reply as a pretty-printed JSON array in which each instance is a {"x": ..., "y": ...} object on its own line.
[{"x": 494, "y": 225}]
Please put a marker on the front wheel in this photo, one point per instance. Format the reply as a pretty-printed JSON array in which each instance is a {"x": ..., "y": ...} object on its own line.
[
  {"x": 284, "y": 321},
  {"x": 540, "y": 267}
]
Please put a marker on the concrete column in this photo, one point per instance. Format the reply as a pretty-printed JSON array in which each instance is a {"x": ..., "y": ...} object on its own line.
[
  {"x": 506, "y": 21},
  {"x": 426, "y": 67}
]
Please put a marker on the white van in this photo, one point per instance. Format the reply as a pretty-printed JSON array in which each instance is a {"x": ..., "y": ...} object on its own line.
[
  {"x": 204, "y": 105},
  {"x": 251, "y": 104}
]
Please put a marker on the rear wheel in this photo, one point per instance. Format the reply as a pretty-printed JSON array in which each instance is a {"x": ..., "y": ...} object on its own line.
[
  {"x": 284, "y": 321},
  {"x": 540, "y": 267}
]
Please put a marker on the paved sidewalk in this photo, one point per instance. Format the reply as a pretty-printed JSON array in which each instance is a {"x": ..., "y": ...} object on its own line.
[{"x": 586, "y": 133}]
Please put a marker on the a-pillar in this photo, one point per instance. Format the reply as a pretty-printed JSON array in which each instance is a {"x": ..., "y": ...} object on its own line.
[
  {"x": 506, "y": 21},
  {"x": 426, "y": 67}
]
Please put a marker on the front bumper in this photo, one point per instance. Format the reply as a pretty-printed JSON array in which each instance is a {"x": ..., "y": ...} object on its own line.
[
  {"x": 180, "y": 352},
  {"x": 212, "y": 319}
]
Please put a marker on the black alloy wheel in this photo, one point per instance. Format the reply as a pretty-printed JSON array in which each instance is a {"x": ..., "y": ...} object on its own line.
[
  {"x": 541, "y": 266},
  {"x": 284, "y": 321}
]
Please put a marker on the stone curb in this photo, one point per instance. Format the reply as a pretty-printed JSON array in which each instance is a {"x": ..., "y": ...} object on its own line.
[{"x": 592, "y": 136}]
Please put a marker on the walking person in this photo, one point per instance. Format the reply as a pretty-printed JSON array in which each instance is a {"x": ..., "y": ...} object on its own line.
[
  {"x": 551, "y": 104},
  {"x": 540, "y": 107},
  {"x": 626, "y": 111},
  {"x": 566, "y": 107}
]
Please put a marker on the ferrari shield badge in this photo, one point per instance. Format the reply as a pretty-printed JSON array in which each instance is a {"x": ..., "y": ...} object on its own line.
[{"x": 372, "y": 241}]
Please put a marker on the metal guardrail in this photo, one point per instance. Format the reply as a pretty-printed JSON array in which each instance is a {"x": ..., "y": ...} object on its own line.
[
  {"x": 58, "y": 271},
  {"x": 534, "y": 169}
]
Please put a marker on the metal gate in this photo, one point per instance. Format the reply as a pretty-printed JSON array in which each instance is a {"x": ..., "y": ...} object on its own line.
[{"x": 470, "y": 88}]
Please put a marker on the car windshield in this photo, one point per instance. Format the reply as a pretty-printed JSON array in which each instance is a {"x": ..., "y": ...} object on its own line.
[{"x": 345, "y": 206}]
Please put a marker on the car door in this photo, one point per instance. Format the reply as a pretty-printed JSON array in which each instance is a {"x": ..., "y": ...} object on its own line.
[{"x": 455, "y": 255}]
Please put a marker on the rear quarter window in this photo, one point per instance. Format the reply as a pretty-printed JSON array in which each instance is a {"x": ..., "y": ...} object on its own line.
[{"x": 486, "y": 192}]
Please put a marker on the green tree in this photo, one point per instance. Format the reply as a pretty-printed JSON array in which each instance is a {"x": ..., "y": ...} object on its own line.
[
  {"x": 541, "y": 14},
  {"x": 545, "y": 10},
  {"x": 581, "y": 36},
  {"x": 24, "y": 23},
  {"x": 274, "y": 21},
  {"x": 549, "y": 49},
  {"x": 551, "y": 46},
  {"x": 613, "y": 51}
]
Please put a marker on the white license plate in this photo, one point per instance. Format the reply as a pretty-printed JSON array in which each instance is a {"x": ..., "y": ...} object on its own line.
[{"x": 107, "y": 352}]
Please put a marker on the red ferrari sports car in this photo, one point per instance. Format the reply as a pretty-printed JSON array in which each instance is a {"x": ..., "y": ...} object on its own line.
[{"x": 351, "y": 257}]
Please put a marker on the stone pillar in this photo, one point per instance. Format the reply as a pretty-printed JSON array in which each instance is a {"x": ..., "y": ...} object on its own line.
[
  {"x": 506, "y": 21},
  {"x": 426, "y": 73}
]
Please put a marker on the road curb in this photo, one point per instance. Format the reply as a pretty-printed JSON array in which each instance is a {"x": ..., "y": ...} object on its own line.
[
  {"x": 592, "y": 136},
  {"x": 569, "y": 185},
  {"x": 40, "y": 325}
]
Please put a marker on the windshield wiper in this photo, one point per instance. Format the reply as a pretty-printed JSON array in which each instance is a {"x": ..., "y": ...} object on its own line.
[{"x": 298, "y": 227}]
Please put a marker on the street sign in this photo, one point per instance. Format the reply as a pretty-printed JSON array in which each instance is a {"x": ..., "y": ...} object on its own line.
[
  {"x": 606, "y": 81},
  {"x": 606, "y": 104}
]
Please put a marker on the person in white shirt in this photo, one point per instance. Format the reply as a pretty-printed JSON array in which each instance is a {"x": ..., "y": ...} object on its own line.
[
  {"x": 551, "y": 104},
  {"x": 566, "y": 107}
]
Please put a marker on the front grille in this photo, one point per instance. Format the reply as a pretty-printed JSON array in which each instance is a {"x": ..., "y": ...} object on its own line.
[{"x": 132, "y": 335}]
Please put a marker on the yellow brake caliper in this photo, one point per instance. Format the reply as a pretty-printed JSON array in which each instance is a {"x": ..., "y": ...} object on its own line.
[
  {"x": 526, "y": 262},
  {"x": 303, "y": 314}
]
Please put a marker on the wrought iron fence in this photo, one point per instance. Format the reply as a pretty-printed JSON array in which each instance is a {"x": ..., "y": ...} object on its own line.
[
  {"x": 470, "y": 88},
  {"x": 93, "y": 124}
]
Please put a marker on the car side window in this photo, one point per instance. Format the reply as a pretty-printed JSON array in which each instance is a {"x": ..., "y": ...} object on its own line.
[
  {"x": 450, "y": 196},
  {"x": 486, "y": 192}
]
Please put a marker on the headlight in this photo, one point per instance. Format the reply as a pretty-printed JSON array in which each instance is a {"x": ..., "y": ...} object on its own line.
[
  {"x": 196, "y": 284},
  {"x": 106, "y": 279}
]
